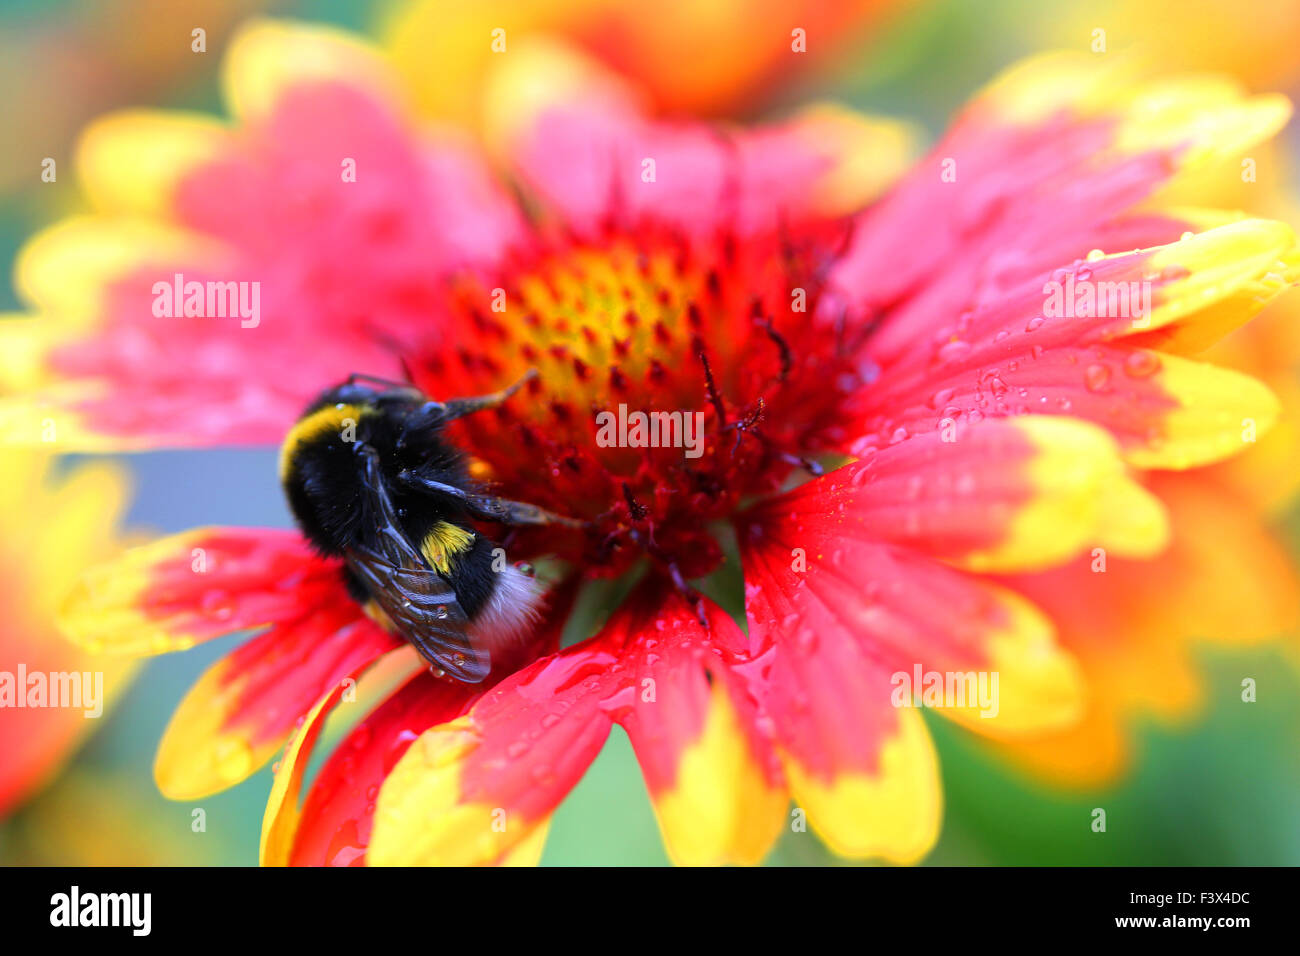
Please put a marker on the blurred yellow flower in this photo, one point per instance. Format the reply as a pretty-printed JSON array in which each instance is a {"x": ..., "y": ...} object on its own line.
[
  {"x": 713, "y": 57},
  {"x": 51, "y": 529},
  {"x": 1255, "y": 42}
]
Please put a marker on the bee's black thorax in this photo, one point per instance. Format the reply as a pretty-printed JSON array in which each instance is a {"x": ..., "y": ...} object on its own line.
[{"x": 323, "y": 478}]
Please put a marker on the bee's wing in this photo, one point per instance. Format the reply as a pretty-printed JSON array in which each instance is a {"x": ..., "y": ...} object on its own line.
[
  {"x": 418, "y": 600},
  {"x": 423, "y": 607}
]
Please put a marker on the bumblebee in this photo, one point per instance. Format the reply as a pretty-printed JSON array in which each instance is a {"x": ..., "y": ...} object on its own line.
[{"x": 371, "y": 479}]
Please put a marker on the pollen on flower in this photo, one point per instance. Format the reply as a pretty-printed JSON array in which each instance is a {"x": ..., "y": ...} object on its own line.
[{"x": 653, "y": 322}]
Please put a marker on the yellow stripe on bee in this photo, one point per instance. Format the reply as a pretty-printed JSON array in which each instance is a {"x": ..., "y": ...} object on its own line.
[
  {"x": 330, "y": 418},
  {"x": 444, "y": 540}
]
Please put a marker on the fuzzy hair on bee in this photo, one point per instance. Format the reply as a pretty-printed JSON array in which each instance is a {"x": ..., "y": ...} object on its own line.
[{"x": 371, "y": 478}]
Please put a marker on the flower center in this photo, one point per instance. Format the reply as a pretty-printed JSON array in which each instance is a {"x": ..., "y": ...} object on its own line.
[{"x": 676, "y": 378}]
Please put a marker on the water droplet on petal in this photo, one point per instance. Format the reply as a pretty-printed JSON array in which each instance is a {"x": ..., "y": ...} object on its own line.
[
  {"x": 1142, "y": 364},
  {"x": 1096, "y": 377}
]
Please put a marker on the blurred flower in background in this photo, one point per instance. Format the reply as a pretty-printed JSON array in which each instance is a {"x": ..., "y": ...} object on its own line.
[
  {"x": 1227, "y": 577},
  {"x": 151, "y": 179},
  {"x": 64, "y": 62},
  {"x": 1256, "y": 44},
  {"x": 1205, "y": 284},
  {"x": 718, "y": 58},
  {"x": 54, "y": 694}
]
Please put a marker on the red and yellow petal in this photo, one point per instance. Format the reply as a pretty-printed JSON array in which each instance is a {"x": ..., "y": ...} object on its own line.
[
  {"x": 322, "y": 149},
  {"x": 49, "y": 530},
  {"x": 722, "y": 806},
  {"x": 334, "y": 826},
  {"x": 132, "y": 162},
  {"x": 335, "y": 823},
  {"x": 472, "y": 790},
  {"x": 581, "y": 138},
  {"x": 713, "y": 778},
  {"x": 464, "y": 788},
  {"x": 445, "y": 54},
  {"x": 891, "y": 811},
  {"x": 190, "y": 587},
  {"x": 268, "y": 58},
  {"x": 1202, "y": 114},
  {"x": 1179, "y": 295},
  {"x": 1016, "y": 356},
  {"x": 820, "y": 584},
  {"x": 862, "y": 770},
  {"x": 1022, "y": 493},
  {"x": 1133, "y": 626},
  {"x": 68, "y": 271},
  {"x": 246, "y": 705},
  {"x": 72, "y": 273},
  {"x": 280, "y": 820},
  {"x": 1216, "y": 413},
  {"x": 1058, "y": 146},
  {"x": 1228, "y": 275},
  {"x": 477, "y": 789}
]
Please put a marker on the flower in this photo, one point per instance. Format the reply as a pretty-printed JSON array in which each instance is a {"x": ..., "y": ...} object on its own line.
[
  {"x": 93, "y": 817},
  {"x": 738, "y": 51},
  {"x": 1225, "y": 577},
  {"x": 1200, "y": 35},
  {"x": 744, "y": 276},
  {"x": 51, "y": 692}
]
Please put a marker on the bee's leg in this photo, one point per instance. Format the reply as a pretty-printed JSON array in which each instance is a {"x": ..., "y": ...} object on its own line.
[
  {"x": 517, "y": 513},
  {"x": 487, "y": 507}
]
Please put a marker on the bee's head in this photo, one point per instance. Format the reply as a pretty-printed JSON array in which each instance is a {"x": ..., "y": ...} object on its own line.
[{"x": 365, "y": 395}]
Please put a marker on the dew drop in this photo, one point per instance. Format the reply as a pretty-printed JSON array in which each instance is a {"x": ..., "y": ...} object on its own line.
[
  {"x": 953, "y": 351},
  {"x": 1142, "y": 364},
  {"x": 1096, "y": 377},
  {"x": 942, "y": 397},
  {"x": 234, "y": 759}
]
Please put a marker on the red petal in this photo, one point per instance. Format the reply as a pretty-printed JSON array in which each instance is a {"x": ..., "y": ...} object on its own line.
[
  {"x": 715, "y": 781},
  {"x": 190, "y": 587},
  {"x": 245, "y": 706},
  {"x": 351, "y": 268},
  {"x": 1055, "y": 147},
  {"x": 828, "y": 598},
  {"x": 581, "y": 139},
  {"x": 334, "y": 829},
  {"x": 863, "y": 770},
  {"x": 337, "y": 816}
]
